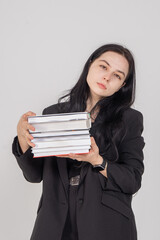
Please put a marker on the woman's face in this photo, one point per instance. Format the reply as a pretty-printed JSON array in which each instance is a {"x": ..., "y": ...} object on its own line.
[{"x": 107, "y": 74}]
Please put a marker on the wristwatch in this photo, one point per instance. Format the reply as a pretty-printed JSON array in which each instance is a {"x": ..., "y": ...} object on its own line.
[{"x": 100, "y": 167}]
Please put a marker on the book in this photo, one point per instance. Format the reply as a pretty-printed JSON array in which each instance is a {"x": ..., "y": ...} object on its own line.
[
  {"x": 59, "y": 117},
  {"x": 64, "y": 143},
  {"x": 60, "y": 153},
  {"x": 59, "y": 126},
  {"x": 60, "y": 134},
  {"x": 53, "y": 149},
  {"x": 60, "y": 122},
  {"x": 60, "y": 138}
]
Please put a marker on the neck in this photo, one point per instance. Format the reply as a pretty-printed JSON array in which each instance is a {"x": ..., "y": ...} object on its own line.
[{"x": 91, "y": 102}]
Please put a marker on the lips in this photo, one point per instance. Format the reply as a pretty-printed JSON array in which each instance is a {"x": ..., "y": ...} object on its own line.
[{"x": 102, "y": 86}]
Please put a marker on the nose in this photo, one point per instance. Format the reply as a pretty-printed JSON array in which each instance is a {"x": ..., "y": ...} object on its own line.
[{"x": 107, "y": 77}]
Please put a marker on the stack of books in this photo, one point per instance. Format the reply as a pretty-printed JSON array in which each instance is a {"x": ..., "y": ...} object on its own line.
[{"x": 60, "y": 134}]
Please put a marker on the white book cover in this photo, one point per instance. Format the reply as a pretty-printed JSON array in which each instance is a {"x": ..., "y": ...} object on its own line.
[
  {"x": 60, "y": 133},
  {"x": 52, "y": 149},
  {"x": 60, "y": 126},
  {"x": 48, "y": 154},
  {"x": 59, "y": 117},
  {"x": 63, "y": 143},
  {"x": 59, "y": 138}
]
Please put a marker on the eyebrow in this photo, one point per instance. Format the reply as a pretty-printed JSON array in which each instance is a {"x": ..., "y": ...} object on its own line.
[{"x": 110, "y": 66}]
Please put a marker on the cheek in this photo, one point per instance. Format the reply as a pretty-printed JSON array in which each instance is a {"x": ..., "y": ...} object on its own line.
[
  {"x": 112, "y": 87},
  {"x": 116, "y": 88},
  {"x": 90, "y": 78},
  {"x": 92, "y": 73}
]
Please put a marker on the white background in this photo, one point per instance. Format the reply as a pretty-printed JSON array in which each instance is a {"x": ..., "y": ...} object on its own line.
[{"x": 43, "y": 48}]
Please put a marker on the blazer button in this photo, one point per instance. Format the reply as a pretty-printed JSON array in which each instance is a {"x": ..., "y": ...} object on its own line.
[
  {"x": 63, "y": 203},
  {"x": 81, "y": 200}
]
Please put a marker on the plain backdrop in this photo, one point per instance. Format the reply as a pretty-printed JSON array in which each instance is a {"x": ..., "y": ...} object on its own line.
[{"x": 43, "y": 48}]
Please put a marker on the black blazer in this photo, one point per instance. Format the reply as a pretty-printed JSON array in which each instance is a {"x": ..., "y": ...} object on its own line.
[{"x": 103, "y": 204}]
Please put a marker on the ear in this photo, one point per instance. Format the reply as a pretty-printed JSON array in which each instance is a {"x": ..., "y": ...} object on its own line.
[{"x": 121, "y": 86}]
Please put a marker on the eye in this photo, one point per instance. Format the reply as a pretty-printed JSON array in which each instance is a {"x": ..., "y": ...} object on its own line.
[
  {"x": 117, "y": 76},
  {"x": 103, "y": 67}
]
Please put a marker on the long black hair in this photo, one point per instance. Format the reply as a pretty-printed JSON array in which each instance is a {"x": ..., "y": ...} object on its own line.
[{"x": 108, "y": 125}]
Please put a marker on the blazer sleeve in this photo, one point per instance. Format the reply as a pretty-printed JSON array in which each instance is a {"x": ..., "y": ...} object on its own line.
[
  {"x": 32, "y": 168},
  {"x": 125, "y": 175}
]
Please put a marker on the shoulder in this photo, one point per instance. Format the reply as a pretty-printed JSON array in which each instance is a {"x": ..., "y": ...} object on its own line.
[
  {"x": 54, "y": 108},
  {"x": 133, "y": 122},
  {"x": 51, "y": 109},
  {"x": 131, "y": 115}
]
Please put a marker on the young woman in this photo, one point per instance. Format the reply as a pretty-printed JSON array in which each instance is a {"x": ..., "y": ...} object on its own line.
[{"x": 89, "y": 198}]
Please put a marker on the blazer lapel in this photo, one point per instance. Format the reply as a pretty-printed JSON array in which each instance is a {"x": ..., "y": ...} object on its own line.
[
  {"x": 62, "y": 166},
  {"x": 83, "y": 172}
]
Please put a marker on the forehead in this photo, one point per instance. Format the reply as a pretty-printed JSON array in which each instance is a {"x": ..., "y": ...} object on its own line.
[{"x": 115, "y": 60}]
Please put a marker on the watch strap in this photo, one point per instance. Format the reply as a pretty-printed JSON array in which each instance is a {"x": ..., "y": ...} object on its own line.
[{"x": 100, "y": 167}]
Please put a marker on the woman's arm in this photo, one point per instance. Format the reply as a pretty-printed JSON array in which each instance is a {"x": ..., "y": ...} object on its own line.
[
  {"x": 32, "y": 168},
  {"x": 126, "y": 174},
  {"x": 104, "y": 172}
]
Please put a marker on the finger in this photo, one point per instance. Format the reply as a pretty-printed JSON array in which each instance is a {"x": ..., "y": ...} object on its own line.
[
  {"x": 93, "y": 144},
  {"x": 25, "y": 116},
  {"x": 63, "y": 156},
  {"x": 28, "y": 138},
  {"x": 79, "y": 157},
  {"x": 66, "y": 156},
  {"x": 29, "y": 135},
  {"x": 75, "y": 158},
  {"x": 30, "y": 127},
  {"x": 29, "y": 142},
  {"x": 30, "y": 113},
  {"x": 27, "y": 127},
  {"x": 73, "y": 155},
  {"x": 79, "y": 154}
]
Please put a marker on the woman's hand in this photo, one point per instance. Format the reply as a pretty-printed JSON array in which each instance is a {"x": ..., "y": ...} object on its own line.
[
  {"x": 92, "y": 157},
  {"x": 23, "y": 127}
]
